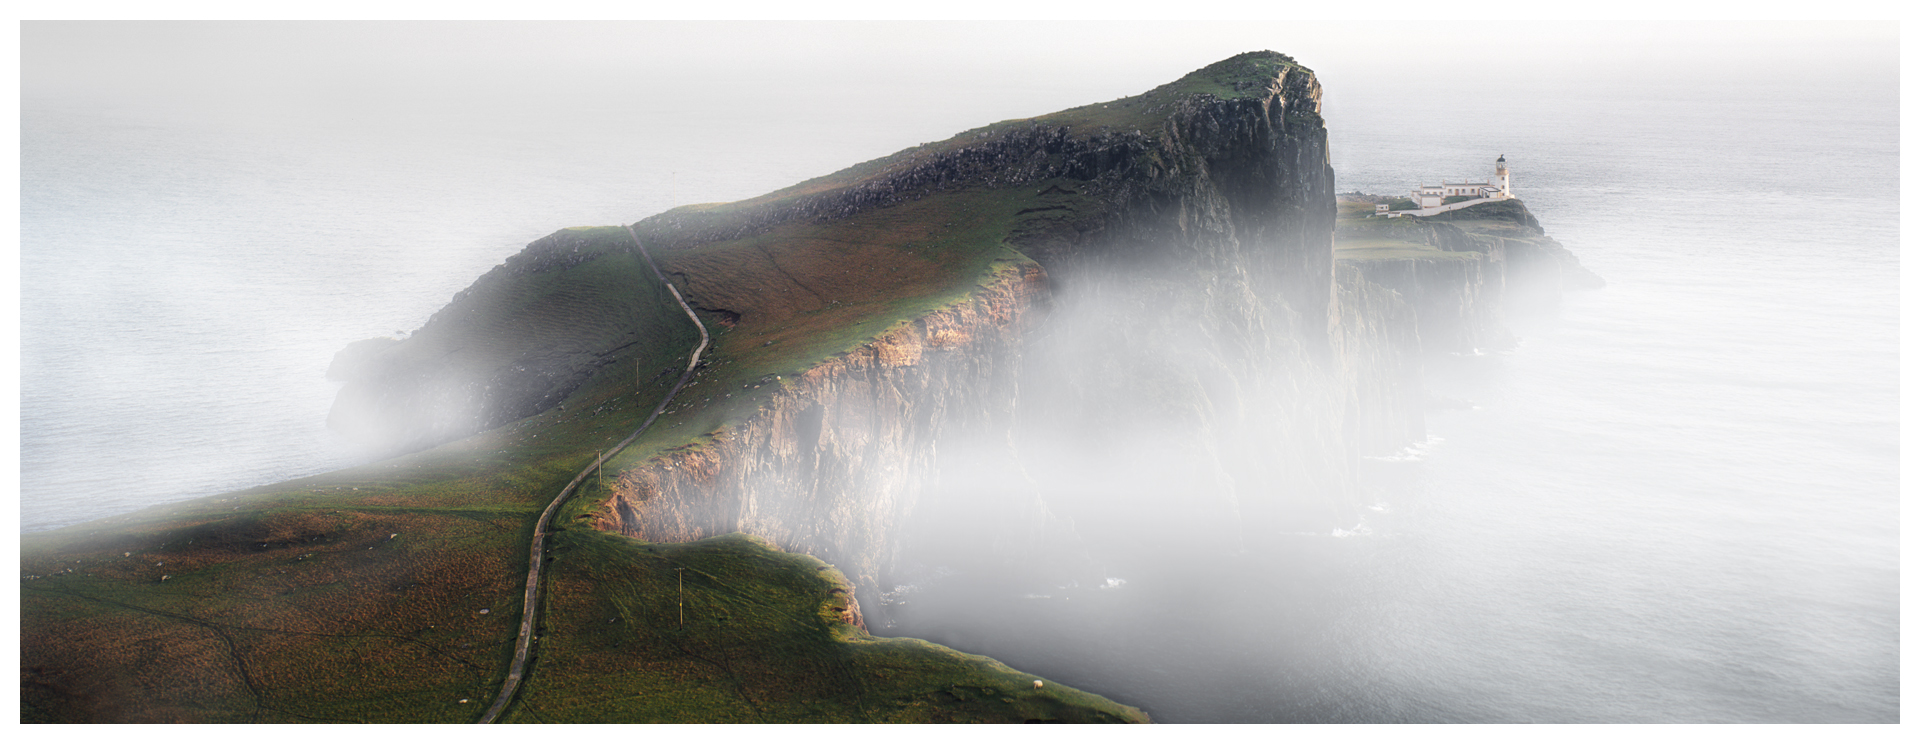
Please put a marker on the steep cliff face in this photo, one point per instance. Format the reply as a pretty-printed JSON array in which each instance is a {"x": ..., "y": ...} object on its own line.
[
  {"x": 1199, "y": 375},
  {"x": 1380, "y": 354},
  {"x": 836, "y": 460},
  {"x": 1455, "y": 299}
]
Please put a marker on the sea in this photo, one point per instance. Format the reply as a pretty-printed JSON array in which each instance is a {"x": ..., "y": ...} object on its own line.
[{"x": 1675, "y": 500}]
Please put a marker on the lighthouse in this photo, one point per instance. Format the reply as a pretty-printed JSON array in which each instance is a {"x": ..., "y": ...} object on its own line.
[{"x": 1450, "y": 195}]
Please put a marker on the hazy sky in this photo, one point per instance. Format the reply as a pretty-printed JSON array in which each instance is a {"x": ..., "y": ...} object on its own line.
[
  {"x": 302, "y": 66},
  {"x": 887, "y": 85}
]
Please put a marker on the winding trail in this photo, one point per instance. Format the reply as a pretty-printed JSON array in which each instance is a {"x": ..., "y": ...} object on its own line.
[{"x": 537, "y": 555}]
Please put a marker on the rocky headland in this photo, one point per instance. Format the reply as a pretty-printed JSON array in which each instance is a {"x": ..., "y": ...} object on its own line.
[{"x": 1042, "y": 340}]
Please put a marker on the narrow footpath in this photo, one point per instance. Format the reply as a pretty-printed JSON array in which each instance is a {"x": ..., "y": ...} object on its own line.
[{"x": 537, "y": 564}]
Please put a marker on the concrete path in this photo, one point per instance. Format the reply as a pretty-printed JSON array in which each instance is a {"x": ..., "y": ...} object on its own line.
[{"x": 537, "y": 562}]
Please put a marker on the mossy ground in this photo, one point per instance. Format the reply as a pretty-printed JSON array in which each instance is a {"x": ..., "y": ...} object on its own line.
[{"x": 323, "y": 603}]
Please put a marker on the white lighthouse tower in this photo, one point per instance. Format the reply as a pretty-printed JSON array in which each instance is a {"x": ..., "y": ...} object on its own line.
[{"x": 1500, "y": 178}]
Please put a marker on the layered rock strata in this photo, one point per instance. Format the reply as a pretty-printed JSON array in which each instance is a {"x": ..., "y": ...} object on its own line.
[{"x": 837, "y": 459}]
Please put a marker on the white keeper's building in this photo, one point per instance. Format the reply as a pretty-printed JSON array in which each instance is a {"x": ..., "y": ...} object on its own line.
[{"x": 1500, "y": 187}]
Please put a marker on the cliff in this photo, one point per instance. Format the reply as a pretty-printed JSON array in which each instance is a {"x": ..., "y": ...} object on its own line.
[
  {"x": 835, "y": 460},
  {"x": 1175, "y": 332},
  {"x": 1046, "y": 342}
]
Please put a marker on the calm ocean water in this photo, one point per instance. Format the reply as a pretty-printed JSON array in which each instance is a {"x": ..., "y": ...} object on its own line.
[{"x": 1675, "y": 501}]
